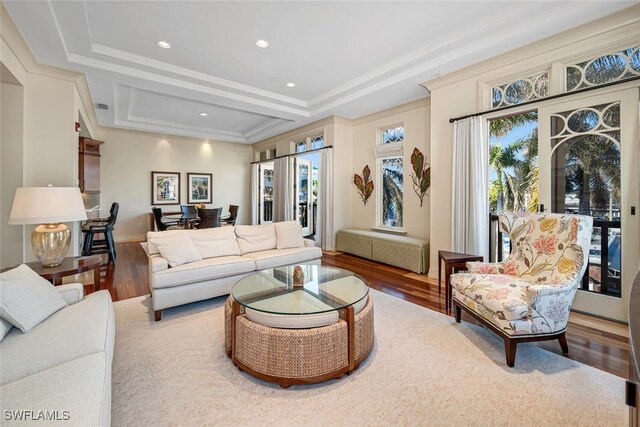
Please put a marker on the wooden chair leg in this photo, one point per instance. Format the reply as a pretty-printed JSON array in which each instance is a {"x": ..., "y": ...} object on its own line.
[
  {"x": 458, "y": 312},
  {"x": 563, "y": 343},
  {"x": 158, "y": 314},
  {"x": 510, "y": 347}
]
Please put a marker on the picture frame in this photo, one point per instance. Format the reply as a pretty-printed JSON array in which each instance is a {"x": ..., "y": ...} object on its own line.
[
  {"x": 165, "y": 188},
  {"x": 199, "y": 187}
]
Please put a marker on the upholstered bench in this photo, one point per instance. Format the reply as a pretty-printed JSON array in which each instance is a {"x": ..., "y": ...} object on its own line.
[{"x": 401, "y": 251}]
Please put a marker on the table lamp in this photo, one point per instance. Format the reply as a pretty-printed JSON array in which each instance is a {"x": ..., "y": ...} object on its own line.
[{"x": 50, "y": 207}]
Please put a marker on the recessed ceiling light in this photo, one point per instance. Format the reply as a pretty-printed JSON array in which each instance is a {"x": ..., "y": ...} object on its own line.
[
  {"x": 291, "y": 84},
  {"x": 163, "y": 44},
  {"x": 203, "y": 114},
  {"x": 262, "y": 43}
]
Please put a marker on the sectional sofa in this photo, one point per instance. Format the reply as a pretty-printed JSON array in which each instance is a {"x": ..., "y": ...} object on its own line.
[
  {"x": 58, "y": 372},
  {"x": 192, "y": 265}
]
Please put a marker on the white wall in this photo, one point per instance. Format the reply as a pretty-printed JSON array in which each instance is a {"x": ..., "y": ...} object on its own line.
[
  {"x": 128, "y": 157},
  {"x": 49, "y": 141},
  {"x": 11, "y": 170},
  {"x": 415, "y": 119}
]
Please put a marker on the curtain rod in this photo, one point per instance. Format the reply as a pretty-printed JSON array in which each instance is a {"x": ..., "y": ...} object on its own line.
[
  {"x": 291, "y": 155},
  {"x": 548, "y": 98}
]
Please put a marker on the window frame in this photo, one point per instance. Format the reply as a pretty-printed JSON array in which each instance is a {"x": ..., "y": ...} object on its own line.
[{"x": 379, "y": 222}]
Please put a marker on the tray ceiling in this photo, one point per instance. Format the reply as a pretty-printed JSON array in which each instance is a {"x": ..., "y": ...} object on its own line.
[{"x": 346, "y": 58}]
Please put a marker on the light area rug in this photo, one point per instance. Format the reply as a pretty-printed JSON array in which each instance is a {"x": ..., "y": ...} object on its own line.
[{"x": 424, "y": 370}]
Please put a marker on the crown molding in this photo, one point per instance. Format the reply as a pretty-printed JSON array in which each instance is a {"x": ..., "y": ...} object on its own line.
[
  {"x": 303, "y": 129},
  {"x": 398, "y": 109}
]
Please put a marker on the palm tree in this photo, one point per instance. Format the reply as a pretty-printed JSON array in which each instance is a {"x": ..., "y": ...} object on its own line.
[
  {"x": 516, "y": 165},
  {"x": 592, "y": 166}
]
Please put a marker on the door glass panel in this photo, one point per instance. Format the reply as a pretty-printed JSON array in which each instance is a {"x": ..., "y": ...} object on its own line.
[
  {"x": 585, "y": 180},
  {"x": 513, "y": 172},
  {"x": 303, "y": 194},
  {"x": 266, "y": 193}
]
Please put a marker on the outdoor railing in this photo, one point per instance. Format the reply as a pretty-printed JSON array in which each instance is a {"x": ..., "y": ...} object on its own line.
[{"x": 603, "y": 272}]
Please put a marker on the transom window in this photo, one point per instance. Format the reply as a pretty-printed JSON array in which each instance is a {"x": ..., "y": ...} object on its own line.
[
  {"x": 604, "y": 69},
  {"x": 521, "y": 90},
  {"x": 317, "y": 142},
  {"x": 392, "y": 135},
  {"x": 309, "y": 143}
]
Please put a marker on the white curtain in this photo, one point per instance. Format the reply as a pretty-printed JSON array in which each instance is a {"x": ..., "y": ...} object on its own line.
[
  {"x": 255, "y": 185},
  {"x": 470, "y": 200},
  {"x": 324, "y": 225},
  {"x": 282, "y": 189}
]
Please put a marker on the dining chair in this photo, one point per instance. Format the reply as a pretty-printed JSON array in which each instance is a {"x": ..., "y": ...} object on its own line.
[
  {"x": 160, "y": 224},
  {"x": 233, "y": 214},
  {"x": 209, "y": 218},
  {"x": 188, "y": 210}
]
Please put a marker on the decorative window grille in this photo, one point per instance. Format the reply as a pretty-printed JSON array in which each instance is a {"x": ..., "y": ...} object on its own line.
[
  {"x": 301, "y": 146},
  {"x": 600, "y": 122},
  {"x": 604, "y": 69},
  {"x": 393, "y": 135},
  {"x": 521, "y": 90}
]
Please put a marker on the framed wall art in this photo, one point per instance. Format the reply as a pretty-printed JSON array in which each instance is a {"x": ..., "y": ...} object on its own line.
[
  {"x": 199, "y": 187},
  {"x": 165, "y": 188}
]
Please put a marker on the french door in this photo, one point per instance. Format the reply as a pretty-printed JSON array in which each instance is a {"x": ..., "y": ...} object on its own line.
[
  {"x": 303, "y": 195},
  {"x": 589, "y": 164},
  {"x": 265, "y": 193}
]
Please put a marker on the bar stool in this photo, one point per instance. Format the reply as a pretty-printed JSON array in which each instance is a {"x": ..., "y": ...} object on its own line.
[{"x": 92, "y": 246}]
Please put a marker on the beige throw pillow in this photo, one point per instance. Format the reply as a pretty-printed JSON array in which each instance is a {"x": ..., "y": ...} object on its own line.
[
  {"x": 26, "y": 299},
  {"x": 289, "y": 235},
  {"x": 255, "y": 238},
  {"x": 215, "y": 242},
  {"x": 177, "y": 249}
]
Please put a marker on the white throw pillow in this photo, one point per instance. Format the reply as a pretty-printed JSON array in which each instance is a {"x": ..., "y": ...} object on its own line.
[
  {"x": 26, "y": 299},
  {"x": 177, "y": 249},
  {"x": 289, "y": 234},
  {"x": 153, "y": 235},
  {"x": 5, "y": 327},
  {"x": 215, "y": 242},
  {"x": 255, "y": 238}
]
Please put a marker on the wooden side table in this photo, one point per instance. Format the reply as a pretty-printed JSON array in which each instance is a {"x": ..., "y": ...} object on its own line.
[
  {"x": 452, "y": 261},
  {"x": 69, "y": 267}
]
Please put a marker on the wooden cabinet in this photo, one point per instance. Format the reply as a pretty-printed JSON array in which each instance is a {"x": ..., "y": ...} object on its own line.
[{"x": 89, "y": 167}]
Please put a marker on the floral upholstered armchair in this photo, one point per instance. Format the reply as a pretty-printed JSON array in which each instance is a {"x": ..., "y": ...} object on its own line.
[{"x": 527, "y": 297}]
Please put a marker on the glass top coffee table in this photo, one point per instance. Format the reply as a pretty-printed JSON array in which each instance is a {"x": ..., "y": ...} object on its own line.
[
  {"x": 289, "y": 334},
  {"x": 324, "y": 289}
]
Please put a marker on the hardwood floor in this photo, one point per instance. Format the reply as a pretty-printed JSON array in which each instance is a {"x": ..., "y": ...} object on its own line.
[{"x": 605, "y": 348}]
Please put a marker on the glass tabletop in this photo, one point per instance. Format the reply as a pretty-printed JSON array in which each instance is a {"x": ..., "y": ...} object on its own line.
[{"x": 325, "y": 289}]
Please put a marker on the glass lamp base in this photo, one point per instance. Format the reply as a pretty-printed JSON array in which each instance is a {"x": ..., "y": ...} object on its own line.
[{"x": 51, "y": 243}]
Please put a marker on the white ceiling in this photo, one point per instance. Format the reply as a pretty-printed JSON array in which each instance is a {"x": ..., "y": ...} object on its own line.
[{"x": 346, "y": 58}]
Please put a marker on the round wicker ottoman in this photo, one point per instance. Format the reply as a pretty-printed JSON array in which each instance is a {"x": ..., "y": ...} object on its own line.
[{"x": 298, "y": 356}]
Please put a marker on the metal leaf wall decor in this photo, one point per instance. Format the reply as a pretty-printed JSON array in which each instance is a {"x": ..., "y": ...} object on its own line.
[
  {"x": 364, "y": 184},
  {"x": 421, "y": 175}
]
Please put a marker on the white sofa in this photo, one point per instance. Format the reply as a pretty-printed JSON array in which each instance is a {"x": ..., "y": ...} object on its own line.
[
  {"x": 61, "y": 369},
  {"x": 222, "y": 255}
]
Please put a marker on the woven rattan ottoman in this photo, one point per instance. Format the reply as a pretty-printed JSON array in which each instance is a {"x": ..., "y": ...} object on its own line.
[{"x": 288, "y": 355}]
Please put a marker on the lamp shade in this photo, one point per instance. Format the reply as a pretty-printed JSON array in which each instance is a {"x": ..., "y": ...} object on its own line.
[{"x": 42, "y": 205}]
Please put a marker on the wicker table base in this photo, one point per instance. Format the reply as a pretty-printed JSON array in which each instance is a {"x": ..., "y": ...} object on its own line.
[{"x": 298, "y": 356}]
